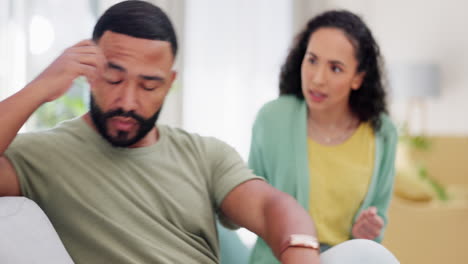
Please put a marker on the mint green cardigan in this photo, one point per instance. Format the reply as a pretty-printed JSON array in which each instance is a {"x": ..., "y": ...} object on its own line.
[{"x": 279, "y": 153}]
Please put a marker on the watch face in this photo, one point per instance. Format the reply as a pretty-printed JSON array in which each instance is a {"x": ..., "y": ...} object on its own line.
[
  {"x": 299, "y": 240},
  {"x": 304, "y": 241}
]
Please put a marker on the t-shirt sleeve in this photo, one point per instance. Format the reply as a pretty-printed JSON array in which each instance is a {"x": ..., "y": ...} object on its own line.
[
  {"x": 228, "y": 170},
  {"x": 27, "y": 158}
]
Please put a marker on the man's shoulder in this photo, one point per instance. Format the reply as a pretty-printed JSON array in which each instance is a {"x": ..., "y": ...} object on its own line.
[
  {"x": 178, "y": 134},
  {"x": 49, "y": 136},
  {"x": 181, "y": 136}
]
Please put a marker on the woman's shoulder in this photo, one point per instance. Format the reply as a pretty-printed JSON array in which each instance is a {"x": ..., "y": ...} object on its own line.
[
  {"x": 387, "y": 127},
  {"x": 285, "y": 105}
]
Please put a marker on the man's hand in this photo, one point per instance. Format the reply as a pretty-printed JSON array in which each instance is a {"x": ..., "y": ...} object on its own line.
[
  {"x": 368, "y": 225},
  {"x": 83, "y": 59}
]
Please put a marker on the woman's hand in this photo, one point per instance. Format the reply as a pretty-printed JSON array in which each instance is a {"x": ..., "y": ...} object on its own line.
[{"x": 368, "y": 225}]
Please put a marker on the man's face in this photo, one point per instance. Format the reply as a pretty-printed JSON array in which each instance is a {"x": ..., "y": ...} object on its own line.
[{"x": 127, "y": 98}]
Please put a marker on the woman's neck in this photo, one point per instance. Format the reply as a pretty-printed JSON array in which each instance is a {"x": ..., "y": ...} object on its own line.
[
  {"x": 331, "y": 127},
  {"x": 330, "y": 118}
]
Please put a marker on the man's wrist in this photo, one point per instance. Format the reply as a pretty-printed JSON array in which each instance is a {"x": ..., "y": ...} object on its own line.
[
  {"x": 34, "y": 92},
  {"x": 300, "y": 255}
]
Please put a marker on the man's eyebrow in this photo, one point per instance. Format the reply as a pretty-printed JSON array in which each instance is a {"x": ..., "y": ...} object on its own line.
[
  {"x": 152, "y": 78},
  {"x": 116, "y": 67}
]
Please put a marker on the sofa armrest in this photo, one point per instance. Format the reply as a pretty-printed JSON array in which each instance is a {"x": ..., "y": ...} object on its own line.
[{"x": 27, "y": 236}]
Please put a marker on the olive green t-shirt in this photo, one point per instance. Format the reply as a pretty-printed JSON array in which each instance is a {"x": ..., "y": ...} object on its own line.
[{"x": 154, "y": 204}]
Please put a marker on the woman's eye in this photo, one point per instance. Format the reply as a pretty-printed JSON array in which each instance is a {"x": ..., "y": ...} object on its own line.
[
  {"x": 336, "y": 69},
  {"x": 312, "y": 60}
]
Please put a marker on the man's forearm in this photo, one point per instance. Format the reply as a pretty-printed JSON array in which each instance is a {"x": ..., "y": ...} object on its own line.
[
  {"x": 297, "y": 255},
  {"x": 81, "y": 59},
  {"x": 274, "y": 216},
  {"x": 286, "y": 217},
  {"x": 15, "y": 111}
]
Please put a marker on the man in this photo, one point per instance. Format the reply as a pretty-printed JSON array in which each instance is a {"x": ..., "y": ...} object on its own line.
[{"x": 119, "y": 189}]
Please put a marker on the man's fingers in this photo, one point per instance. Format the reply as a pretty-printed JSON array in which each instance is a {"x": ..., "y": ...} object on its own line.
[
  {"x": 85, "y": 49},
  {"x": 91, "y": 60},
  {"x": 87, "y": 52},
  {"x": 88, "y": 71},
  {"x": 85, "y": 42}
]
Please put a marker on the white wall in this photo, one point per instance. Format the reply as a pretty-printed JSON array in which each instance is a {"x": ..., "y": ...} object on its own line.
[
  {"x": 12, "y": 47},
  {"x": 424, "y": 31},
  {"x": 408, "y": 31},
  {"x": 233, "y": 52}
]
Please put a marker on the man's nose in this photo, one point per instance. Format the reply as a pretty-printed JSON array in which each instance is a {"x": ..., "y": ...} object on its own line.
[{"x": 127, "y": 98}]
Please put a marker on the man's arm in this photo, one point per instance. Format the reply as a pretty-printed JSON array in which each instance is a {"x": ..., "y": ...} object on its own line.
[
  {"x": 15, "y": 111},
  {"x": 81, "y": 59},
  {"x": 9, "y": 184},
  {"x": 272, "y": 215}
]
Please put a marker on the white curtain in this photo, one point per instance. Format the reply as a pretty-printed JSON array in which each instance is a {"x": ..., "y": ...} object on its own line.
[
  {"x": 33, "y": 34},
  {"x": 12, "y": 47},
  {"x": 233, "y": 53}
]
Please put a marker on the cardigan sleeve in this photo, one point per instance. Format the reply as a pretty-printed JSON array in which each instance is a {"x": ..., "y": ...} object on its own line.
[
  {"x": 256, "y": 159},
  {"x": 387, "y": 175}
]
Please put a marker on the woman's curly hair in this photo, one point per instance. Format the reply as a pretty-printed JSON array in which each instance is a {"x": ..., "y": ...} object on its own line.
[{"x": 367, "y": 102}]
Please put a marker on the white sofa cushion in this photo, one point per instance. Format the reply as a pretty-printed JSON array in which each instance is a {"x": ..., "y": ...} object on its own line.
[{"x": 27, "y": 236}]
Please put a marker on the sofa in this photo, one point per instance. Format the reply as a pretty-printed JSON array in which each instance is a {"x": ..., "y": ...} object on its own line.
[{"x": 27, "y": 236}]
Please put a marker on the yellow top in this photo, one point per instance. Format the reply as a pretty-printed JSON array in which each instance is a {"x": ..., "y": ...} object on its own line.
[{"x": 339, "y": 178}]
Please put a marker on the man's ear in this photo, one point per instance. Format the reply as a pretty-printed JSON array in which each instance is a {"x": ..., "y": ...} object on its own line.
[
  {"x": 357, "y": 80},
  {"x": 173, "y": 75}
]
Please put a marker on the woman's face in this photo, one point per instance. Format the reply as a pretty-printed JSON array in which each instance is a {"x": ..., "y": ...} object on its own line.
[{"x": 329, "y": 71}]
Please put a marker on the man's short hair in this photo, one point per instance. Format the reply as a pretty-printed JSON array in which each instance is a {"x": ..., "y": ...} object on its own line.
[{"x": 138, "y": 19}]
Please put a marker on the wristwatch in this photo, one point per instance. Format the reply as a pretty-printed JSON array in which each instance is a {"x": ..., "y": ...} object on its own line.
[{"x": 299, "y": 240}]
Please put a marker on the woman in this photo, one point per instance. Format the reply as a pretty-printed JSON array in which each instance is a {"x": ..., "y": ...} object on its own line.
[{"x": 327, "y": 140}]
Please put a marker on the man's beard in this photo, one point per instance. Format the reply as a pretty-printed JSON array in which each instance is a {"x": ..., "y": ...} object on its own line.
[{"x": 122, "y": 138}]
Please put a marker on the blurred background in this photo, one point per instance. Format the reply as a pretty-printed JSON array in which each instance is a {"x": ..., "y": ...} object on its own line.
[{"x": 231, "y": 53}]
